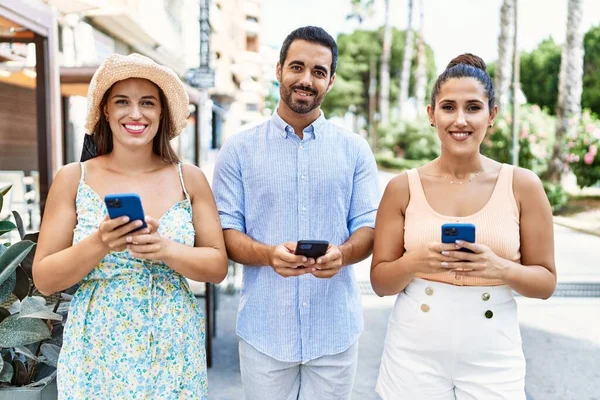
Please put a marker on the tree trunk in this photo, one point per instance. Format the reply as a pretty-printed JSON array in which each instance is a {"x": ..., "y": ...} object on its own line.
[
  {"x": 421, "y": 72},
  {"x": 570, "y": 87},
  {"x": 406, "y": 63},
  {"x": 505, "y": 40},
  {"x": 384, "y": 74}
]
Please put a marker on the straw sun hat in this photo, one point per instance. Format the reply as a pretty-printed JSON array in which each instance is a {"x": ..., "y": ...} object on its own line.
[{"x": 118, "y": 67}]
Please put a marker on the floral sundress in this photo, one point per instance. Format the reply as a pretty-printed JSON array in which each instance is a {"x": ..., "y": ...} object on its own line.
[{"x": 135, "y": 330}]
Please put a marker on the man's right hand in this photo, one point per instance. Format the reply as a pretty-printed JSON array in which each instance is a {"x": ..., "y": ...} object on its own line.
[{"x": 283, "y": 260}]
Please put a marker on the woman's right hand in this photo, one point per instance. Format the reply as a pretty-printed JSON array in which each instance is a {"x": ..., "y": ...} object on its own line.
[
  {"x": 429, "y": 259},
  {"x": 113, "y": 233}
]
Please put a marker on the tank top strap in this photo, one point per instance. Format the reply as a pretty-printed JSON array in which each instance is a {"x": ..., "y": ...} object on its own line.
[
  {"x": 82, "y": 164},
  {"x": 180, "y": 171},
  {"x": 417, "y": 195}
]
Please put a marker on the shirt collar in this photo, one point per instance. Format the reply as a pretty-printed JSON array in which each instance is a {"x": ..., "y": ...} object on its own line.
[{"x": 284, "y": 128}]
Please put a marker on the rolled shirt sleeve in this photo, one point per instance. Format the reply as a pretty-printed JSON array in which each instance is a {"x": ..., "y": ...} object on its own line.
[
  {"x": 365, "y": 190},
  {"x": 228, "y": 188}
]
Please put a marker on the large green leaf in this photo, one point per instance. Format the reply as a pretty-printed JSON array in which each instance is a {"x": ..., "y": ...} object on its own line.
[
  {"x": 50, "y": 353},
  {"x": 7, "y": 287},
  {"x": 12, "y": 257},
  {"x": 6, "y": 226},
  {"x": 27, "y": 262},
  {"x": 26, "y": 352},
  {"x": 15, "y": 331},
  {"x": 7, "y": 373},
  {"x": 23, "y": 283},
  {"x": 32, "y": 308},
  {"x": 20, "y": 225}
]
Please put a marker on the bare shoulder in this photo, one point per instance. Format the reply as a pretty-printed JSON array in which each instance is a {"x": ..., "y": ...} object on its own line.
[
  {"x": 398, "y": 190},
  {"x": 194, "y": 179},
  {"x": 527, "y": 187},
  {"x": 68, "y": 176}
]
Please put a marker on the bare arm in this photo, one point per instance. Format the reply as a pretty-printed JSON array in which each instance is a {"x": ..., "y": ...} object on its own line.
[
  {"x": 58, "y": 264},
  {"x": 390, "y": 273},
  {"x": 207, "y": 260},
  {"x": 536, "y": 275}
]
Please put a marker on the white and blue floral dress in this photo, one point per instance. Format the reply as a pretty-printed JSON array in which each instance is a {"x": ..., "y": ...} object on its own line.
[{"x": 134, "y": 331}]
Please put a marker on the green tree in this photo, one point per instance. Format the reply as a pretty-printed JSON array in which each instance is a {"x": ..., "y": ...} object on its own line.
[
  {"x": 539, "y": 71},
  {"x": 355, "y": 51},
  {"x": 591, "y": 70}
]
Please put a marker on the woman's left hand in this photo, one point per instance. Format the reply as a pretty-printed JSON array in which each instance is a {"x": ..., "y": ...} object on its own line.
[
  {"x": 482, "y": 263},
  {"x": 150, "y": 245}
]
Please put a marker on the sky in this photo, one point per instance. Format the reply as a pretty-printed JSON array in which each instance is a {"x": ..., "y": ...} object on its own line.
[{"x": 451, "y": 27}]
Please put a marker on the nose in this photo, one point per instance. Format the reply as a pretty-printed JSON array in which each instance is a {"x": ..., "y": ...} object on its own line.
[
  {"x": 306, "y": 78},
  {"x": 460, "y": 118},
  {"x": 135, "y": 112}
]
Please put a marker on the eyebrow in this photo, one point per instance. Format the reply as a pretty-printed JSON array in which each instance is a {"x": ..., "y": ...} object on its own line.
[
  {"x": 122, "y": 96},
  {"x": 317, "y": 67},
  {"x": 468, "y": 101}
]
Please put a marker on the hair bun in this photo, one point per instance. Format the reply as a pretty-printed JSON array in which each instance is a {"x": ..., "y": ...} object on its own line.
[{"x": 467, "y": 59}]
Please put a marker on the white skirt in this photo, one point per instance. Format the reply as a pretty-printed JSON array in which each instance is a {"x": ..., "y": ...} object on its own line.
[{"x": 447, "y": 342}]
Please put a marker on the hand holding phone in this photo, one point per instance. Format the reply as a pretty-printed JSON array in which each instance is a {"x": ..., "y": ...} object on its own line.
[
  {"x": 311, "y": 248},
  {"x": 125, "y": 204}
]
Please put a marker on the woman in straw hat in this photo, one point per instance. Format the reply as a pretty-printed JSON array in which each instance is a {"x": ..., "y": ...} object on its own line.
[{"x": 134, "y": 328}]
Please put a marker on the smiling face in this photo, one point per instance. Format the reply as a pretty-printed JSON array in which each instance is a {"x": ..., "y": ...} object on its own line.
[
  {"x": 133, "y": 109},
  {"x": 305, "y": 77},
  {"x": 461, "y": 115}
]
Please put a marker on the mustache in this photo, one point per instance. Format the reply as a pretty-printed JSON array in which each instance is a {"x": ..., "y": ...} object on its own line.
[{"x": 304, "y": 89}]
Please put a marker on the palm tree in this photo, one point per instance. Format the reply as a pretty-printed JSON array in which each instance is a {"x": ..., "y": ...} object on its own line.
[
  {"x": 406, "y": 62},
  {"x": 504, "y": 67},
  {"x": 361, "y": 10},
  {"x": 570, "y": 87},
  {"x": 384, "y": 74},
  {"x": 421, "y": 73}
]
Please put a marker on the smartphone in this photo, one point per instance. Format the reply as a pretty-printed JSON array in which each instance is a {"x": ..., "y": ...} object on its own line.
[
  {"x": 453, "y": 232},
  {"x": 311, "y": 248},
  {"x": 125, "y": 204}
]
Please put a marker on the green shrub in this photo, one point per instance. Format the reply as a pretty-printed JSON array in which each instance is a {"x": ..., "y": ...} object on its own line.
[
  {"x": 557, "y": 196},
  {"x": 411, "y": 140},
  {"x": 387, "y": 160},
  {"x": 582, "y": 151}
]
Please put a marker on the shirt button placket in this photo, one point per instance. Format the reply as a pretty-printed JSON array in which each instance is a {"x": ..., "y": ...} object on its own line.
[{"x": 303, "y": 226}]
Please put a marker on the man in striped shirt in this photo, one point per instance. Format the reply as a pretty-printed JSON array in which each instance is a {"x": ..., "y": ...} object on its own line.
[{"x": 296, "y": 177}]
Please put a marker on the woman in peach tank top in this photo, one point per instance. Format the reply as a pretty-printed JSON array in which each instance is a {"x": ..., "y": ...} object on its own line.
[{"x": 454, "y": 332}]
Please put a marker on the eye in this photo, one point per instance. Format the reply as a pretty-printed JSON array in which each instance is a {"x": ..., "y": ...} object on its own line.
[
  {"x": 121, "y": 102},
  {"x": 474, "y": 108},
  {"x": 148, "y": 103},
  {"x": 295, "y": 68},
  {"x": 447, "y": 107},
  {"x": 320, "y": 73}
]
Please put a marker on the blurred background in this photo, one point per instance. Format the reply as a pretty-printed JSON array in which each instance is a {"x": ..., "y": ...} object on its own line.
[{"x": 544, "y": 57}]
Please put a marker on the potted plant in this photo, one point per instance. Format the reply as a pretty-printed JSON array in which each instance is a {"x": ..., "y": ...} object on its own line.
[{"x": 30, "y": 330}]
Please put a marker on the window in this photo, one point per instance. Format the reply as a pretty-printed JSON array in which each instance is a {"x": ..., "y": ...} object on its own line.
[
  {"x": 251, "y": 107},
  {"x": 251, "y": 18},
  {"x": 252, "y": 44}
]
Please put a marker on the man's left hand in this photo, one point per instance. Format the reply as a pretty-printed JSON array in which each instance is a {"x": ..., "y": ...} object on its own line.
[{"x": 329, "y": 265}]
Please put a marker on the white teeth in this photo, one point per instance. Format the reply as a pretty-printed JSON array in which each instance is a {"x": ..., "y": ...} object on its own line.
[
  {"x": 460, "y": 135},
  {"x": 135, "y": 127}
]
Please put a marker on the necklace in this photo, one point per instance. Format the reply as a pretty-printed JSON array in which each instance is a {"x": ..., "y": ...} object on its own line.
[{"x": 460, "y": 182}]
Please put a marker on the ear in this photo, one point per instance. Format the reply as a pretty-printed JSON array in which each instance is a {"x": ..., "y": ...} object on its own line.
[
  {"x": 105, "y": 112},
  {"x": 493, "y": 114},
  {"x": 430, "y": 114},
  {"x": 278, "y": 71},
  {"x": 330, "y": 86}
]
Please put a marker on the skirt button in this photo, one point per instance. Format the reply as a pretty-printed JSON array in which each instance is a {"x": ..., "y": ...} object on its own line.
[
  {"x": 424, "y": 308},
  {"x": 485, "y": 297},
  {"x": 489, "y": 314},
  {"x": 429, "y": 291}
]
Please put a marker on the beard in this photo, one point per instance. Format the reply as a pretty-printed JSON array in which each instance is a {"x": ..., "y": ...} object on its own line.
[{"x": 301, "y": 106}]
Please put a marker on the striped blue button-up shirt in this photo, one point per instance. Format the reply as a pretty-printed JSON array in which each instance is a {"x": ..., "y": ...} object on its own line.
[{"x": 276, "y": 188}]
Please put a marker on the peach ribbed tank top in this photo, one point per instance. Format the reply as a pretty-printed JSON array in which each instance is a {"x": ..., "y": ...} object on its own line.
[{"x": 496, "y": 225}]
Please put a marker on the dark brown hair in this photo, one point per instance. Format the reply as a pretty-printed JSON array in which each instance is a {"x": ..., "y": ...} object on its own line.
[
  {"x": 161, "y": 144},
  {"x": 466, "y": 66}
]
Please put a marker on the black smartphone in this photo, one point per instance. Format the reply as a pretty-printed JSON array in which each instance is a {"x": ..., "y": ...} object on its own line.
[
  {"x": 128, "y": 204},
  {"x": 311, "y": 248},
  {"x": 453, "y": 232}
]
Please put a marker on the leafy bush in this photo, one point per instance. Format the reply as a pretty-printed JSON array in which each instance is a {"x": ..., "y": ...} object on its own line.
[
  {"x": 536, "y": 138},
  {"x": 411, "y": 140},
  {"x": 386, "y": 159},
  {"x": 557, "y": 196},
  {"x": 29, "y": 341},
  {"x": 582, "y": 151}
]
